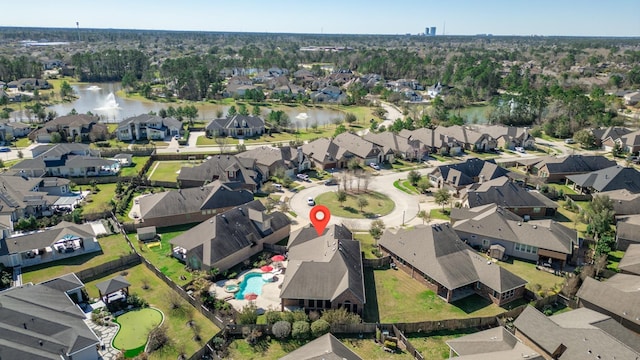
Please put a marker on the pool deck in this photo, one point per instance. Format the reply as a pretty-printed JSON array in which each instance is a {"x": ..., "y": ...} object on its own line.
[{"x": 268, "y": 300}]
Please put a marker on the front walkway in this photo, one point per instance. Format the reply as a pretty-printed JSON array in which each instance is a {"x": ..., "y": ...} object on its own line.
[{"x": 106, "y": 335}]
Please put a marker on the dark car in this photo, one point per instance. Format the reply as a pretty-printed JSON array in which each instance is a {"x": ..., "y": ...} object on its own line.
[
  {"x": 5, "y": 149},
  {"x": 332, "y": 181}
]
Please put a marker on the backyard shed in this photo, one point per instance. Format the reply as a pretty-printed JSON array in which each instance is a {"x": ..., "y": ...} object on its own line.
[{"x": 147, "y": 233}]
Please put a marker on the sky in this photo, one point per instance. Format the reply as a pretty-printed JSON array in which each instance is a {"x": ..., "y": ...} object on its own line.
[{"x": 454, "y": 17}]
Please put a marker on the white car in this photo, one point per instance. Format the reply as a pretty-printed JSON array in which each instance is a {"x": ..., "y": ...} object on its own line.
[
  {"x": 303, "y": 177},
  {"x": 375, "y": 166},
  {"x": 311, "y": 202},
  {"x": 520, "y": 149}
]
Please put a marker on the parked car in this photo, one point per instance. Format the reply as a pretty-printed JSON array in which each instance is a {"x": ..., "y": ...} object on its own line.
[
  {"x": 278, "y": 187},
  {"x": 177, "y": 137},
  {"x": 303, "y": 177},
  {"x": 375, "y": 166},
  {"x": 520, "y": 149},
  {"x": 5, "y": 149},
  {"x": 569, "y": 141},
  {"x": 311, "y": 202}
]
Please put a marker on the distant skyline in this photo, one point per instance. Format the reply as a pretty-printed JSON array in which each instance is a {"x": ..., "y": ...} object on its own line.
[{"x": 463, "y": 17}]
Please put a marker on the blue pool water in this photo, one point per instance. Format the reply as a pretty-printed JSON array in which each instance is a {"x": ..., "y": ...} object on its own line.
[{"x": 252, "y": 283}]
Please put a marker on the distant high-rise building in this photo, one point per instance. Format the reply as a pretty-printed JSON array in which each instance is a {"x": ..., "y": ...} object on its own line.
[
  {"x": 432, "y": 32},
  {"x": 426, "y": 31}
]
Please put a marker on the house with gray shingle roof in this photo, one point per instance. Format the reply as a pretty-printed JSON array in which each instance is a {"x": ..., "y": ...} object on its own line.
[
  {"x": 612, "y": 133},
  {"x": 184, "y": 206},
  {"x": 62, "y": 241},
  {"x": 70, "y": 127},
  {"x": 630, "y": 262},
  {"x": 462, "y": 174},
  {"x": 394, "y": 145},
  {"x": 226, "y": 168},
  {"x": 618, "y": 297},
  {"x": 23, "y": 196},
  {"x": 229, "y": 238},
  {"x": 509, "y": 195},
  {"x": 42, "y": 322},
  {"x": 337, "y": 152},
  {"x": 147, "y": 127},
  {"x": 324, "y": 272},
  {"x": 556, "y": 169},
  {"x": 543, "y": 241},
  {"x": 576, "y": 335},
  {"x": 624, "y": 201},
  {"x": 268, "y": 159},
  {"x": 326, "y": 347},
  {"x": 628, "y": 142},
  {"x": 608, "y": 179},
  {"x": 495, "y": 344},
  {"x": 437, "y": 257},
  {"x": 237, "y": 126},
  {"x": 627, "y": 231},
  {"x": 66, "y": 160}
]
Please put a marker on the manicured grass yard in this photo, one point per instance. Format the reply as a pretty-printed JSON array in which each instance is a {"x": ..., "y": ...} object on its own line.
[
  {"x": 367, "y": 243},
  {"x": 158, "y": 295},
  {"x": 100, "y": 201},
  {"x": 112, "y": 246},
  {"x": 434, "y": 345},
  {"x": 138, "y": 162},
  {"x": 393, "y": 296},
  {"x": 527, "y": 271},
  {"x": 168, "y": 170},
  {"x": 368, "y": 349},
  {"x": 378, "y": 204},
  {"x": 438, "y": 214},
  {"x": 265, "y": 350},
  {"x": 135, "y": 327},
  {"x": 160, "y": 256},
  {"x": 206, "y": 141}
]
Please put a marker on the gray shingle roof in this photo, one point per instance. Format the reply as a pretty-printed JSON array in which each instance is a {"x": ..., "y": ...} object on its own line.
[
  {"x": 146, "y": 118},
  {"x": 463, "y": 173},
  {"x": 225, "y": 234},
  {"x": 611, "y": 178},
  {"x": 575, "y": 164},
  {"x": 355, "y": 145},
  {"x": 619, "y": 295},
  {"x": 504, "y": 192},
  {"x": 628, "y": 228},
  {"x": 236, "y": 121},
  {"x": 323, "y": 268},
  {"x": 112, "y": 285},
  {"x": 218, "y": 167},
  {"x": 42, "y": 239},
  {"x": 438, "y": 252},
  {"x": 585, "y": 333},
  {"x": 495, "y": 222},
  {"x": 495, "y": 344},
  {"x": 631, "y": 260},
  {"x": 326, "y": 347},
  {"x": 40, "y": 322},
  {"x": 331, "y": 232},
  {"x": 215, "y": 195},
  {"x": 64, "y": 283}
]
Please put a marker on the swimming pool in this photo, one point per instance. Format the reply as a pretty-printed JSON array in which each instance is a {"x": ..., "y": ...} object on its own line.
[{"x": 252, "y": 283}]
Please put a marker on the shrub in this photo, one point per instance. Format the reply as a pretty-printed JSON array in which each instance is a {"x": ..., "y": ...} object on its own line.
[
  {"x": 281, "y": 329},
  {"x": 340, "y": 316},
  {"x": 248, "y": 314},
  {"x": 272, "y": 317},
  {"x": 300, "y": 315},
  {"x": 287, "y": 316},
  {"x": 300, "y": 330},
  {"x": 137, "y": 301},
  {"x": 319, "y": 328}
]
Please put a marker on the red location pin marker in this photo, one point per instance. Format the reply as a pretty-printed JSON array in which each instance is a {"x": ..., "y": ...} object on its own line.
[{"x": 319, "y": 216}]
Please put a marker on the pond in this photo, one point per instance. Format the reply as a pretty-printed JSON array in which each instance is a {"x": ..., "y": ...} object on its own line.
[
  {"x": 102, "y": 100},
  {"x": 475, "y": 114}
]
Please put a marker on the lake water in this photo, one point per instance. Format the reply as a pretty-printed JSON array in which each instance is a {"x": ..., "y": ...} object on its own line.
[
  {"x": 101, "y": 100},
  {"x": 474, "y": 114}
]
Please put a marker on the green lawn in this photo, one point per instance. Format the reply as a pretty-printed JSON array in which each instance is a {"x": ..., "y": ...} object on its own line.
[
  {"x": 564, "y": 188},
  {"x": 434, "y": 346},
  {"x": 378, "y": 204},
  {"x": 613, "y": 260},
  {"x": 265, "y": 350},
  {"x": 167, "y": 170},
  {"x": 112, "y": 246},
  {"x": 22, "y": 142},
  {"x": 399, "y": 298},
  {"x": 404, "y": 185},
  {"x": 160, "y": 256},
  {"x": 206, "y": 141},
  {"x": 101, "y": 201},
  {"x": 527, "y": 271},
  {"x": 367, "y": 243},
  {"x": 438, "y": 214},
  {"x": 135, "y": 327},
  {"x": 368, "y": 349},
  {"x": 138, "y": 162},
  {"x": 159, "y": 295}
]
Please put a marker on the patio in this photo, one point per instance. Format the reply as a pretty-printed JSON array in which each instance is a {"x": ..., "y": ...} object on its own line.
[{"x": 268, "y": 299}]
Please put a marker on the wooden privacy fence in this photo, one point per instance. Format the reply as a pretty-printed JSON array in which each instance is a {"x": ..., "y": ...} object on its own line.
[
  {"x": 377, "y": 263},
  {"x": 110, "y": 267}
]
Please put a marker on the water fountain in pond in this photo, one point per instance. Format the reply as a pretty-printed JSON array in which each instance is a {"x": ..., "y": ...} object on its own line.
[{"x": 109, "y": 104}]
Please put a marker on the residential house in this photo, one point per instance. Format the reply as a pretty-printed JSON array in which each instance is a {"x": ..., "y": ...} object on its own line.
[
  {"x": 632, "y": 98},
  {"x": 438, "y": 258},
  {"x": 66, "y": 160},
  {"x": 268, "y": 159},
  {"x": 12, "y": 130},
  {"x": 608, "y": 179},
  {"x": 226, "y": 168},
  {"x": 630, "y": 262},
  {"x": 22, "y": 197},
  {"x": 627, "y": 231},
  {"x": 509, "y": 137},
  {"x": 336, "y": 153},
  {"x": 496, "y": 343},
  {"x": 612, "y": 133},
  {"x": 237, "y": 126},
  {"x": 70, "y": 127},
  {"x": 303, "y": 77},
  {"x": 556, "y": 169},
  {"x": 459, "y": 175},
  {"x": 238, "y": 86},
  {"x": 394, "y": 145},
  {"x": 29, "y": 84},
  {"x": 43, "y": 322},
  {"x": 329, "y": 94},
  {"x": 148, "y": 127},
  {"x": 62, "y": 241},
  {"x": 511, "y": 196},
  {"x": 231, "y": 237},
  {"x": 470, "y": 139},
  {"x": 618, "y": 297},
  {"x": 324, "y": 272},
  {"x": 542, "y": 241},
  {"x": 370, "y": 80},
  {"x": 432, "y": 141},
  {"x": 575, "y": 335},
  {"x": 629, "y": 143},
  {"x": 326, "y": 347},
  {"x": 197, "y": 204},
  {"x": 624, "y": 201}
]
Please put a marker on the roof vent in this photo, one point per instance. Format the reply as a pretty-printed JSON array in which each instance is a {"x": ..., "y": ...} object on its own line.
[
  {"x": 535, "y": 226},
  {"x": 519, "y": 223}
]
